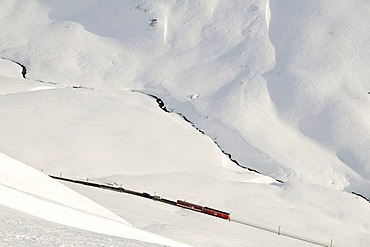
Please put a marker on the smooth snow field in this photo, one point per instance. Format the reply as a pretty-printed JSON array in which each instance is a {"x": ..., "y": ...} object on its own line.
[{"x": 254, "y": 107}]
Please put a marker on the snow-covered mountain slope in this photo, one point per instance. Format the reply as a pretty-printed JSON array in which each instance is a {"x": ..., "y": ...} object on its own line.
[
  {"x": 71, "y": 125},
  {"x": 281, "y": 78},
  {"x": 279, "y": 85},
  {"x": 32, "y": 192},
  {"x": 319, "y": 84},
  {"x": 19, "y": 178},
  {"x": 313, "y": 212}
]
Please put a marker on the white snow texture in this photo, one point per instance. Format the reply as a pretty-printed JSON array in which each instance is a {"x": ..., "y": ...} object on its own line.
[{"x": 280, "y": 87}]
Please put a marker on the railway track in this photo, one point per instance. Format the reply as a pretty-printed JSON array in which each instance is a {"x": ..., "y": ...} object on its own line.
[
  {"x": 194, "y": 207},
  {"x": 178, "y": 203}
]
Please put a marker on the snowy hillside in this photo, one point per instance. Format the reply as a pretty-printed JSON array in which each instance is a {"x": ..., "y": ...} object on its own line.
[
  {"x": 32, "y": 192},
  {"x": 23, "y": 230},
  {"x": 279, "y": 87}
]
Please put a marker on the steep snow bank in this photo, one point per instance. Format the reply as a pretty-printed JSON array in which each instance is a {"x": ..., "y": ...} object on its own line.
[
  {"x": 15, "y": 176},
  {"x": 133, "y": 138},
  {"x": 11, "y": 79},
  {"x": 24, "y": 189}
]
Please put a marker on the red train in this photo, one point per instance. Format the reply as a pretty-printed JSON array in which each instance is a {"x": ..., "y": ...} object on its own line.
[{"x": 205, "y": 210}]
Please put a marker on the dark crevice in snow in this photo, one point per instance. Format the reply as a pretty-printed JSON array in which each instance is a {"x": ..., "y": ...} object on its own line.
[
  {"x": 160, "y": 104},
  {"x": 164, "y": 108},
  {"x": 81, "y": 87},
  {"x": 236, "y": 162},
  {"x": 363, "y": 197},
  {"x": 24, "y": 72},
  {"x": 24, "y": 69},
  {"x": 49, "y": 82},
  {"x": 192, "y": 124}
]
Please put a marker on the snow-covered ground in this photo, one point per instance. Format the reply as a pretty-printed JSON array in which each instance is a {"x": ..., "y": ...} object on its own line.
[
  {"x": 30, "y": 191},
  {"x": 281, "y": 86},
  {"x": 18, "y": 229}
]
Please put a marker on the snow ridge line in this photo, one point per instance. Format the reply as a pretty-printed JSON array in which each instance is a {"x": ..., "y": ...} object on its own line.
[
  {"x": 363, "y": 197},
  {"x": 268, "y": 14},
  {"x": 24, "y": 69},
  {"x": 24, "y": 72},
  {"x": 164, "y": 108},
  {"x": 160, "y": 104}
]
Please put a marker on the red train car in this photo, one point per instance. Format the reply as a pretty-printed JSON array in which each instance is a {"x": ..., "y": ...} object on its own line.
[
  {"x": 217, "y": 213},
  {"x": 205, "y": 210},
  {"x": 189, "y": 205}
]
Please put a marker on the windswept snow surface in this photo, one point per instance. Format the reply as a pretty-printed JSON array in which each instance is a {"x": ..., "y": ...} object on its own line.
[
  {"x": 19, "y": 229},
  {"x": 32, "y": 192},
  {"x": 319, "y": 87},
  {"x": 21, "y": 179},
  {"x": 280, "y": 85}
]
